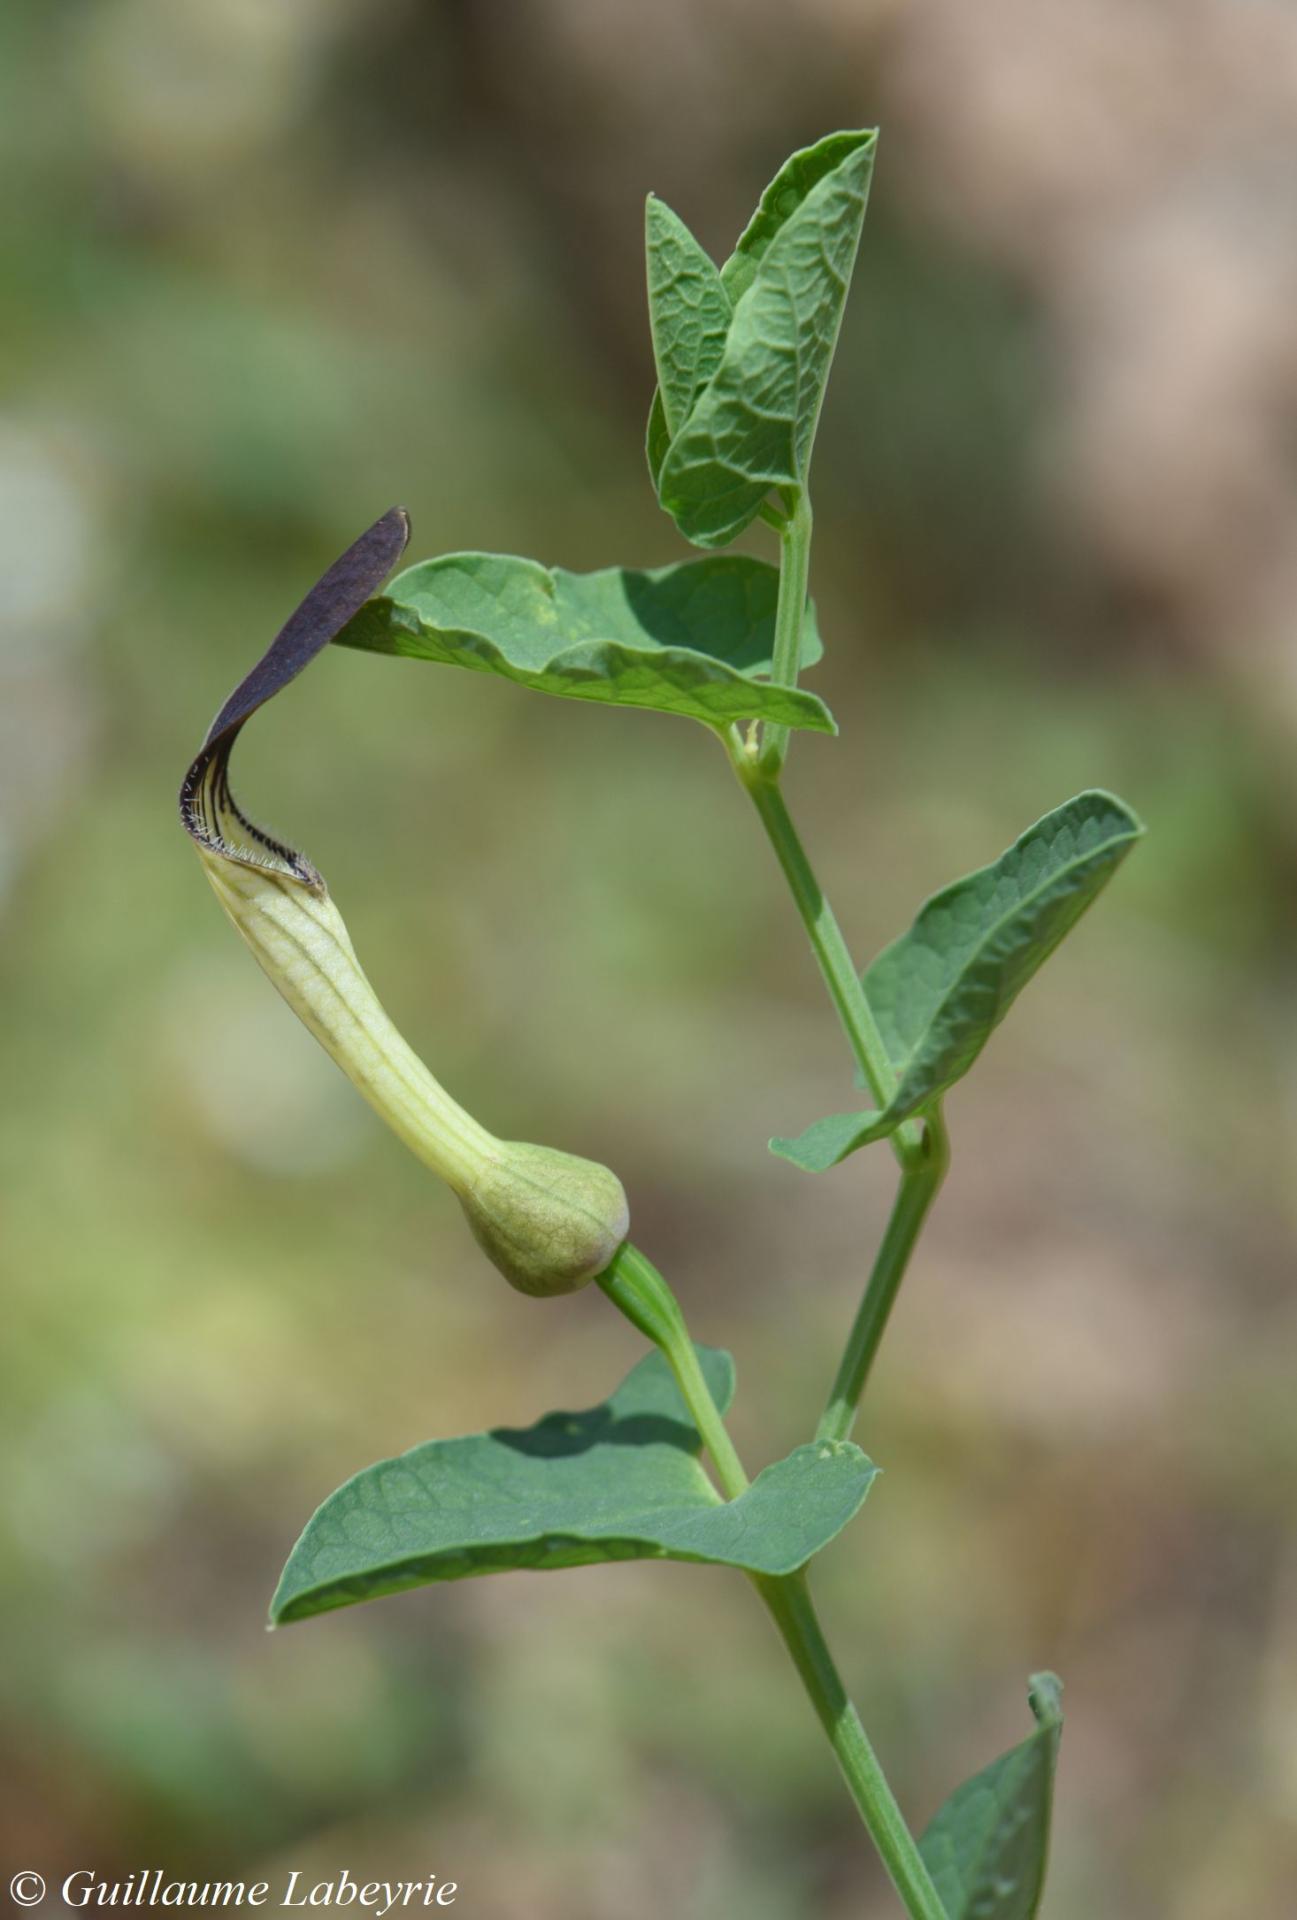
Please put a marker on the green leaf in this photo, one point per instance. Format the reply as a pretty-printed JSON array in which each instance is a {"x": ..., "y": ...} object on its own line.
[
  {"x": 753, "y": 425},
  {"x": 657, "y": 438},
  {"x": 689, "y": 311},
  {"x": 620, "y": 1482},
  {"x": 988, "y": 1846},
  {"x": 780, "y": 201},
  {"x": 939, "y": 992},
  {"x": 690, "y": 639}
]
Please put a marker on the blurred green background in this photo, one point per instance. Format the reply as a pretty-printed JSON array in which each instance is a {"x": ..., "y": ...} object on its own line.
[{"x": 269, "y": 268}]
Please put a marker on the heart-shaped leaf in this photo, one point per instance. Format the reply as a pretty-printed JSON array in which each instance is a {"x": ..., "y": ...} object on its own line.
[
  {"x": 620, "y": 1482},
  {"x": 692, "y": 639},
  {"x": 939, "y": 992},
  {"x": 988, "y": 1846},
  {"x": 751, "y": 427}
]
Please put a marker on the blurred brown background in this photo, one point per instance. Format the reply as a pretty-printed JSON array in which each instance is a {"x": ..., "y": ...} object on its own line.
[{"x": 267, "y": 269}]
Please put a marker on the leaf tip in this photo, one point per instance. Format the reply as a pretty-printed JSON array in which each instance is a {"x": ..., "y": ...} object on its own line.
[
  {"x": 799, "y": 1155},
  {"x": 826, "y": 1143},
  {"x": 1045, "y": 1695},
  {"x": 1104, "y": 796}
]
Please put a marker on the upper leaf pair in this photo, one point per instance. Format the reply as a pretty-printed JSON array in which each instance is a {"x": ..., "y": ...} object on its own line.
[{"x": 743, "y": 353}]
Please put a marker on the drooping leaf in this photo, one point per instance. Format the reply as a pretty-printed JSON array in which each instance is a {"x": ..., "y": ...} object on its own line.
[
  {"x": 689, "y": 311},
  {"x": 988, "y": 1846},
  {"x": 939, "y": 992},
  {"x": 619, "y": 1482},
  {"x": 691, "y": 639},
  {"x": 752, "y": 426}
]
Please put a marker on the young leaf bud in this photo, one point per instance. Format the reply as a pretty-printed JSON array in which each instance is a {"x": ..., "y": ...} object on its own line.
[{"x": 549, "y": 1221}]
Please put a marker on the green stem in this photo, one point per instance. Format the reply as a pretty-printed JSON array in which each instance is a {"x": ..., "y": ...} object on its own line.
[
  {"x": 789, "y": 1602},
  {"x": 915, "y": 1195},
  {"x": 638, "y": 1290},
  {"x": 827, "y": 943},
  {"x": 790, "y": 611}
]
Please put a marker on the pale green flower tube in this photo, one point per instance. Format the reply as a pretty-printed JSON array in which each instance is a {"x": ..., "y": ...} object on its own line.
[{"x": 550, "y": 1221}]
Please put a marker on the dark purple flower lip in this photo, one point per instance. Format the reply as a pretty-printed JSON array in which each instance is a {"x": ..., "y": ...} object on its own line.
[{"x": 207, "y": 807}]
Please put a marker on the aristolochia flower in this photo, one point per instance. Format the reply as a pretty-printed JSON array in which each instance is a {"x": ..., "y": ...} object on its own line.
[{"x": 550, "y": 1221}]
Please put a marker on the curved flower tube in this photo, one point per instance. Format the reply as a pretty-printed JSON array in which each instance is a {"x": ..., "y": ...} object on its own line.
[{"x": 550, "y": 1221}]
